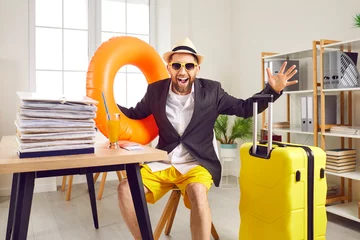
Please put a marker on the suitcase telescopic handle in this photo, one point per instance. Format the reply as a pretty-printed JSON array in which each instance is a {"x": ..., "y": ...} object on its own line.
[{"x": 269, "y": 98}]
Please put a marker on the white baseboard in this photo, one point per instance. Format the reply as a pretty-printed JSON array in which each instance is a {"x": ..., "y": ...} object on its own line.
[{"x": 5, "y": 192}]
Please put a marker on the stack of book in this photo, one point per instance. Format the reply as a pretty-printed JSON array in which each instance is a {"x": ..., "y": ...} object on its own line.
[
  {"x": 52, "y": 126},
  {"x": 341, "y": 160},
  {"x": 332, "y": 190}
]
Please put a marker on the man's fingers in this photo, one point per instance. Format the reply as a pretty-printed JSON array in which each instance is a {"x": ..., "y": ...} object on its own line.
[
  {"x": 289, "y": 83},
  {"x": 269, "y": 72},
  {"x": 290, "y": 69},
  {"x": 282, "y": 69},
  {"x": 289, "y": 76}
]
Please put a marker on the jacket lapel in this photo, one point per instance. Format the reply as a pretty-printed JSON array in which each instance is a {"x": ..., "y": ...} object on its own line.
[{"x": 162, "y": 108}]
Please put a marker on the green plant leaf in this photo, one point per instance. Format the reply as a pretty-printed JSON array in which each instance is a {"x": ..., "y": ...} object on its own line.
[
  {"x": 220, "y": 128},
  {"x": 241, "y": 129},
  {"x": 357, "y": 20}
]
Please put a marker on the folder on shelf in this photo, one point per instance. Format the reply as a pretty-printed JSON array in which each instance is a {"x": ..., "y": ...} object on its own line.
[
  {"x": 303, "y": 106},
  {"x": 309, "y": 109}
]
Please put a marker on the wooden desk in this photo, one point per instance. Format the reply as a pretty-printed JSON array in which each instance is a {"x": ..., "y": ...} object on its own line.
[{"x": 103, "y": 160}]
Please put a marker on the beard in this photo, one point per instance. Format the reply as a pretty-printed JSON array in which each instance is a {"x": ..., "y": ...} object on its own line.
[{"x": 181, "y": 85}]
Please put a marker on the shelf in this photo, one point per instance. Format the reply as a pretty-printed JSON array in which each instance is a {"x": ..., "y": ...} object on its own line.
[
  {"x": 298, "y": 92},
  {"x": 341, "y": 135},
  {"x": 351, "y": 175},
  {"x": 291, "y": 55},
  {"x": 341, "y": 89},
  {"x": 291, "y": 130},
  {"x": 353, "y": 44},
  {"x": 347, "y": 210}
]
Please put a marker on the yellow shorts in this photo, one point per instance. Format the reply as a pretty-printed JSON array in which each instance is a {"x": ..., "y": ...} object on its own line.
[{"x": 160, "y": 182}]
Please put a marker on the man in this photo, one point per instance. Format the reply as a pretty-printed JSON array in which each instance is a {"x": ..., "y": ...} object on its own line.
[{"x": 185, "y": 109}]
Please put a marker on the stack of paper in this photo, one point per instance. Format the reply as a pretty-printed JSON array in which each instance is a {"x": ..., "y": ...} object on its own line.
[
  {"x": 49, "y": 125},
  {"x": 341, "y": 160}
]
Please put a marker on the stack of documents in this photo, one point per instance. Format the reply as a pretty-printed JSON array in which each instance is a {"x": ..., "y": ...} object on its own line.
[
  {"x": 341, "y": 160},
  {"x": 50, "y": 125}
]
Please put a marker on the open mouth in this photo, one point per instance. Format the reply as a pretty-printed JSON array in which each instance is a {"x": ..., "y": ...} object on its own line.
[{"x": 183, "y": 80}]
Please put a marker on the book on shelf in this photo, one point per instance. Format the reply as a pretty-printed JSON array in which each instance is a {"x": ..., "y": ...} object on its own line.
[
  {"x": 279, "y": 125},
  {"x": 338, "y": 158},
  {"x": 340, "y": 161},
  {"x": 50, "y": 125},
  {"x": 340, "y": 152},
  {"x": 332, "y": 189},
  {"x": 341, "y": 169},
  {"x": 335, "y": 164}
]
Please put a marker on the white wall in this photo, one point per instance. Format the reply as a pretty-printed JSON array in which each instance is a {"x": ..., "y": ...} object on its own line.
[
  {"x": 14, "y": 72},
  {"x": 208, "y": 24},
  {"x": 14, "y": 66}
]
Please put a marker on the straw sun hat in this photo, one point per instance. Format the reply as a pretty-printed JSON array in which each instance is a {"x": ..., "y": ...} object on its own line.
[{"x": 184, "y": 46}]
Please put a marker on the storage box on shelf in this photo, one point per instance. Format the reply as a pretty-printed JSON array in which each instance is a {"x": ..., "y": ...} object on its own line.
[{"x": 340, "y": 82}]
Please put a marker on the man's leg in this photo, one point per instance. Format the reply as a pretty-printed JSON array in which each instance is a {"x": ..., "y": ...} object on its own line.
[
  {"x": 127, "y": 208},
  {"x": 200, "y": 216}
]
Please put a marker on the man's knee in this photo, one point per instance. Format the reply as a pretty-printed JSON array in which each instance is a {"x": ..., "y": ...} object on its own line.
[
  {"x": 123, "y": 187},
  {"x": 197, "y": 193}
]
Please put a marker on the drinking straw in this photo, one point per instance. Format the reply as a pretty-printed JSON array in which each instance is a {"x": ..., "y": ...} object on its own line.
[{"x": 106, "y": 108}]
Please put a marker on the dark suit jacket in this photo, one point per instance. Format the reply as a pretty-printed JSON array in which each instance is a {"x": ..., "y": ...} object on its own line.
[{"x": 210, "y": 101}]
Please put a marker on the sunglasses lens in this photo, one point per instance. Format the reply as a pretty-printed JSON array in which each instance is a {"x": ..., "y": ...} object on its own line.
[
  {"x": 189, "y": 66},
  {"x": 176, "y": 66}
]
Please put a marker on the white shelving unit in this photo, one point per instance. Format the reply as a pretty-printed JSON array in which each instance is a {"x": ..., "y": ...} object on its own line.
[
  {"x": 299, "y": 92},
  {"x": 346, "y": 210},
  {"x": 341, "y": 135},
  {"x": 291, "y": 130},
  {"x": 340, "y": 90},
  {"x": 306, "y": 53},
  {"x": 350, "y": 175},
  {"x": 344, "y": 206}
]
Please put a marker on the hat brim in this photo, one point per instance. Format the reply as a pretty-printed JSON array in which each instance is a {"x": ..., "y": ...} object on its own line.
[{"x": 167, "y": 55}]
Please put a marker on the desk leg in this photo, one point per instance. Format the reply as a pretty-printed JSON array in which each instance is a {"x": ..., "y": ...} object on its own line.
[
  {"x": 13, "y": 197},
  {"x": 140, "y": 204},
  {"x": 90, "y": 183},
  {"x": 25, "y": 190}
]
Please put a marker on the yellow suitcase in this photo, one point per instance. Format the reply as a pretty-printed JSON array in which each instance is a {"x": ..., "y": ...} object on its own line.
[{"x": 283, "y": 190}]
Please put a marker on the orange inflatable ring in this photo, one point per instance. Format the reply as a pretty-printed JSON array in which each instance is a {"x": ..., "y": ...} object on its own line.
[{"x": 106, "y": 62}]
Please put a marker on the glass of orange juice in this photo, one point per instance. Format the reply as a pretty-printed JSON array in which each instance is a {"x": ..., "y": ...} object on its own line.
[{"x": 113, "y": 128}]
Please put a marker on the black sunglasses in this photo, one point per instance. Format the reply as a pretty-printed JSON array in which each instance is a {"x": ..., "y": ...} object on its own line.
[{"x": 188, "y": 66}]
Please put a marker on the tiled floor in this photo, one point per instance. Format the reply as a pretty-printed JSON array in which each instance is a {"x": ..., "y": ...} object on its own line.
[{"x": 54, "y": 218}]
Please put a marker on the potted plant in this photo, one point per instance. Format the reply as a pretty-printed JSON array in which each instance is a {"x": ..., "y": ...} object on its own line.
[
  {"x": 357, "y": 20},
  {"x": 227, "y": 134},
  {"x": 227, "y": 130}
]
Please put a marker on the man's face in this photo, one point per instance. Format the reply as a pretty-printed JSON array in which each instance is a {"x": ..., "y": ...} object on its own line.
[{"x": 183, "y": 69}]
